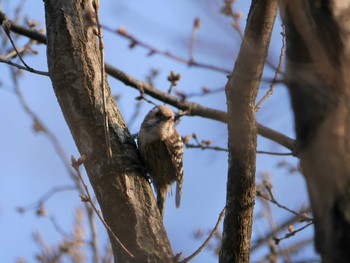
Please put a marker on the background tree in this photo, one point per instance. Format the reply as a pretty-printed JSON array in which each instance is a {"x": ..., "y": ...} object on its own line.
[
  {"x": 75, "y": 70},
  {"x": 317, "y": 76}
]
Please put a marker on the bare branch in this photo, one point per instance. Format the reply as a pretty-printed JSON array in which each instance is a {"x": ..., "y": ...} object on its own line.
[
  {"x": 272, "y": 199},
  {"x": 76, "y": 164},
  {"x": 103, "y": 87},
  {"x": 290, "y": 221},
  {"x": 46, "y": 196},
  {"x": 31, "y": 70},
  {"x": 241, "y": 94},
  {"x": 196, "y": 27},
  {"x": 6, "y": 24},
  {"x": 152, "y": 51},
  {"x": 220, "y": 149},
  {"x": 292, "y": 233},
  {"x": 206, "y": 242},
  {"x": 278, "y": 71},
  {"x": 193, "y": 108}
]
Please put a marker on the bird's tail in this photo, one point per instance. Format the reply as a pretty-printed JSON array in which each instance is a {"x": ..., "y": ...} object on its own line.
[
  {"x": 178, "y": 195},
  {"x": 161, "y": 197}
]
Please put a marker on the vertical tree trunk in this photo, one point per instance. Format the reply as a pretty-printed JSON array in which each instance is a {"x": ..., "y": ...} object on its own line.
[
  {"x": 317, "y": 75},
  {"x": 241, "y": 91},
  {"x": 125, "y": 197}
]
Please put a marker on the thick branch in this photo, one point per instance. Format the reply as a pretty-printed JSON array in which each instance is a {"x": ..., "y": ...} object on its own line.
[
  {"x": 195, "y": 109},
  {"x": 242, "y": 131},
  {"x": 125, "y": 197}
]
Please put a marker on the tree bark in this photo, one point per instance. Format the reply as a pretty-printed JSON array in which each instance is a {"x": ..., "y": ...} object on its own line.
[
  {"x": 125, "y": 197},
  {"x": 241, "y": 92},
  {"x": 317, "y": 75}
]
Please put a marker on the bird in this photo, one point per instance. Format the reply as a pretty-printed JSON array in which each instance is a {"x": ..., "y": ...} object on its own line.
[{"x": 161, "y": 148}]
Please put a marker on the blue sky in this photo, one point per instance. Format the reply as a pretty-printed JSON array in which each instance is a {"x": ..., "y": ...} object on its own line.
[{"x": 30, "y": 166}]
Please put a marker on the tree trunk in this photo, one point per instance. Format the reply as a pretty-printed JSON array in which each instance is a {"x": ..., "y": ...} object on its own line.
[
  {"x": 241, "y": 92},
  {"x": 317, "y": 75},
  {"x": 125, "y": 197}
]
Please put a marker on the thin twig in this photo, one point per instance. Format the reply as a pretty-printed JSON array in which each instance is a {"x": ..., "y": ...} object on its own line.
[
  {"x": 46, "y": 196},
  {"x": 282, "y": 225},
  {"x": 173, "y": 79},
  {"x": 196, "y": 26},
  {"x": 274, "y": 201},
  {"x": 6, "y": 24},
  {"x": 204, "y": 91},
  {"x": 39, "y": 126},
  {"x": 292, "y": 233},
  {"x": 12, "y": 53},
  {"x": 229, "y": 10},
  {"x": 87, "y": 198},
  {"x": 275, "y": 153},
  {"x": 220, "y": 149},
  {"x": 30, "y": 33},
  {"x": 94, "y": 236},
  {"x": 152, "y": 51},
  {"x": 290, "y": 250},
  {"x": 6, "y": 61},
  {"x": 136, "y": 113},
  {"x": 278, "y": 71},
  {"x": 206, "y": 242},
  {"x": 59, "y": 229},
  {"x": 103, "y": 85}
]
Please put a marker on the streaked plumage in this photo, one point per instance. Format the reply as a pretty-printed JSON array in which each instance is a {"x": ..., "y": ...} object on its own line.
[{"x": 161, "y": 148}]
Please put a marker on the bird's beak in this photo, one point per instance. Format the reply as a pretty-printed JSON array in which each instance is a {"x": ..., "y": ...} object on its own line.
[{"x": 167, "y": 118}]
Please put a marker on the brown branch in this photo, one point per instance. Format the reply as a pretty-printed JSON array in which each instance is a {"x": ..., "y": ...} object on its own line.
[
  {"x": 31, "y": 70},
  {"x": 120, "y": 188},
  {"x": 229, "y": 10},
  {"x": 290, "y": 221},
  {"x": 277, "y": 73},
  {"x": 22, "y": 50},
  {"x": 94, "y": 237},
  {"x": 206, "y": 242},
  {"x": 204, "y": 91},
  {"x": 292, "y": 233},
  {"x": 194, "y": 109},
  {"x": 290, "y": 250},
  {"x": 103, "y": 87},
  {"x": 39, "y": 126},
  {"x": 241, "y": 94},
  {"x": 196, "y": 27},
  {"x": 152, "y": 51},
  {"x": 30, "y": 33},
  {"x": 46, "y": 196},
  {"x": 6, "y": 24},
  {"x": 87, "y": 198},
  {"x": 273, "y": 200},
  {"x": 221, "y": 149}
]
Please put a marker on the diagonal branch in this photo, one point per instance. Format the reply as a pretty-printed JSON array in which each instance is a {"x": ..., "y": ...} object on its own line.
[{"x": 193, "y": 108}]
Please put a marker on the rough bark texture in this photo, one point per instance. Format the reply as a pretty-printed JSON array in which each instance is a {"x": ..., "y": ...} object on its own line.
[
  {"x": 125, "y": 197},
  {"x": 318, "y": 66},
  {"x": 241, "y": 91}
]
